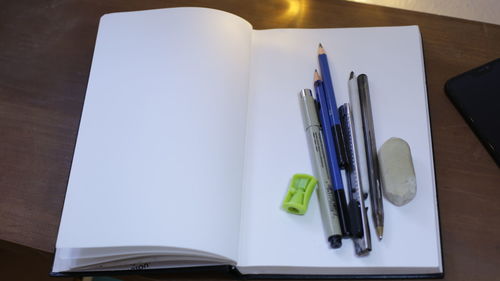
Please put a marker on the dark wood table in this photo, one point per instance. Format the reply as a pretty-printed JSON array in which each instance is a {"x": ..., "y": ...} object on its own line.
[{"x": 45, "y": 56}]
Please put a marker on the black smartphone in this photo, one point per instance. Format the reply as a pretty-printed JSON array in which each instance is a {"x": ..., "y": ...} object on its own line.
[{"x": 476, "y": 95}]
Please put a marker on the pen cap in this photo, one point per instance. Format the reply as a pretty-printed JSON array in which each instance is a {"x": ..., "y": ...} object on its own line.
[{"x": 308, "y": 109}]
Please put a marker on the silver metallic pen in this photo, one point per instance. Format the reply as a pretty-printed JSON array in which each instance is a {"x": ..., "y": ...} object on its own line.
[
  {"x": 360, "y": 229},
  {"x": 316, "y": 145},
  {"x": 371, "y": 153}
]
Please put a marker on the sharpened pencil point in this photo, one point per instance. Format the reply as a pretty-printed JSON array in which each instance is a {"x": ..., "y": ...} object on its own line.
[
  {"x": 317, "y": 77},
  {"x": 380, "y": 231},
  {"x": 320, "y": 49},
  {"x": 352, "y": 75}
]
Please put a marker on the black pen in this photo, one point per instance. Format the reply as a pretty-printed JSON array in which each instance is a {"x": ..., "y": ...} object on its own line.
[{"x": 360, "y": 229}]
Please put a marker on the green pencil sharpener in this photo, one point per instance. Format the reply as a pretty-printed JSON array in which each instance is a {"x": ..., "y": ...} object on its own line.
[{"x": 299, "y": 192}]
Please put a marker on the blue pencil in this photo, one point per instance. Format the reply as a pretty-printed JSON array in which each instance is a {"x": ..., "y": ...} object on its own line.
[
  {"x": 332, "y": 106},
  {"x": 338, "y": 187}
]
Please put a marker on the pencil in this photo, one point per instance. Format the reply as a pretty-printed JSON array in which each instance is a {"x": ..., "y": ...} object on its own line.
[
  {"x": 332, "y": 106},
  {"x": 332, "y": 158}
]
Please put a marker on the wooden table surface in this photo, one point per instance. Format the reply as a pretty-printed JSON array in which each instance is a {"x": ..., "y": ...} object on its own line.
[{"x": 45, "y": 56}]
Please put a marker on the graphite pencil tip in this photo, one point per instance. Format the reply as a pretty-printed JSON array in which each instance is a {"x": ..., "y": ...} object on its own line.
[
  {"x": 352, "y": 75},
  {"x": 320, "y": 49},
  {"x": 317, "y": 77}
]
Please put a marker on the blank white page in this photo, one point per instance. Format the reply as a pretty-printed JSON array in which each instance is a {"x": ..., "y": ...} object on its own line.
[
  {"x": 159, "y": 155},
  {"x": 283, "y": 62}
]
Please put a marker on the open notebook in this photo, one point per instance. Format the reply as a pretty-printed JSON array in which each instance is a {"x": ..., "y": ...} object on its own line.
[{"x": 191, "y": 131}]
